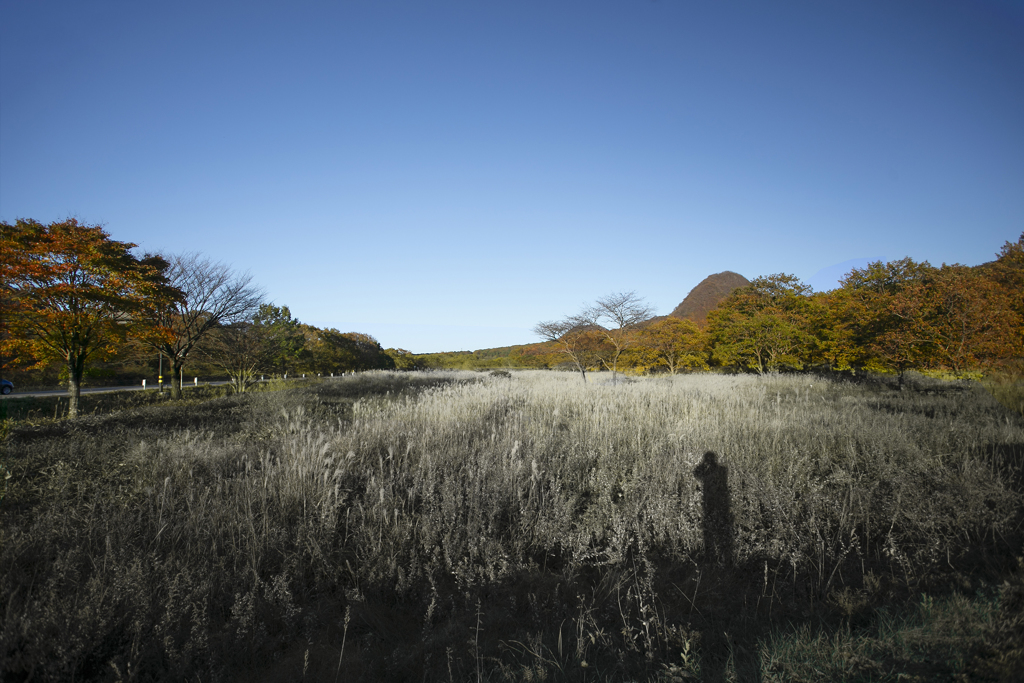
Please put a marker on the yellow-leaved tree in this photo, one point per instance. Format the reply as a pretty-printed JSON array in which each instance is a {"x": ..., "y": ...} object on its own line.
[
  {"x": 763, "y": 326},
  {"x": 674, "y": 343}
]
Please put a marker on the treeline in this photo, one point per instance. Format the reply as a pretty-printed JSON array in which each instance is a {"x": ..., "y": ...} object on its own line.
[
  {"x": 73, "y": 299},
  {"x": 886, "y": 318}
]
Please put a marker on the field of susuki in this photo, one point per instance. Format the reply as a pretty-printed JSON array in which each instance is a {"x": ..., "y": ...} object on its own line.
[{"x": 465, "y": 527}]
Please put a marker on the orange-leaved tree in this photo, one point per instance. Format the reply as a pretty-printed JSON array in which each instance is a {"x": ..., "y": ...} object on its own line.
[
  {"x": 1007, "y": 271},
  {"x": 71, "y": 293},
  {"x": 884, "y": 307},
  {"x": 578, "y": 339},
  {"x": 969, "y": 320}
]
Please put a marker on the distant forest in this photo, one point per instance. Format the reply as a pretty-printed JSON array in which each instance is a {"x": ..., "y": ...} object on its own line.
[{"x": 888, "y": 317}]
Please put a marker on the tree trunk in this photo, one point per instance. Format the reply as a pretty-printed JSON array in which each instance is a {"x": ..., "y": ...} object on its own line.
[
  {"x": 172, "y": 368},
  {"x": 76, "y": 366},
  {"x": 583, "y": 370}
]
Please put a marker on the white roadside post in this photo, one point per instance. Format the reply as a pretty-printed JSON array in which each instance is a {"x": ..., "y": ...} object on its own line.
[{"x": 143, "y": 385}]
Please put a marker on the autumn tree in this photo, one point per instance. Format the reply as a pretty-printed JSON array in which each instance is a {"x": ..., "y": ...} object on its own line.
[
  {"x": 617, "y": 317},
  {"x": 763, "y": 326},
  {"x": 212, "y": 296},
  {"x": 884, "y": 308},
  {"x": 966, "y": 319},
  {"x": 1007, "y": 271},
  {"x": 674, "y": 343},
  {"x": 902, "y": 315},
  {"x": 833, "y": 328},
  {"x": 71, "y": 293},
  {"x": 542, "y": 355},
  {"x": 577, "y": 339},
  {"x": 325, "y": 350}
]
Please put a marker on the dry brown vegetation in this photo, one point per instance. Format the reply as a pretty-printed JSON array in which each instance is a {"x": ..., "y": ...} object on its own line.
[{"x": 452, "y": 526}]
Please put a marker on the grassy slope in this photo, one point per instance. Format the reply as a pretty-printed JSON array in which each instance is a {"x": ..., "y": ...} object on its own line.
[{"x": 445, "y": 527}]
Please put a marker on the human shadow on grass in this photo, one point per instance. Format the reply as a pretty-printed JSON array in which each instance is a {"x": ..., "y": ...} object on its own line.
[{"x": 726, "y": 634}]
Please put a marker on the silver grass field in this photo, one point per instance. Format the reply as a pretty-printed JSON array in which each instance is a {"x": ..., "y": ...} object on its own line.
[{"x": 520, "y": 526}]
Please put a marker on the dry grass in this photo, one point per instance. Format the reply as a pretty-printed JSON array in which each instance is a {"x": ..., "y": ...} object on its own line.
[{"x": 448, "y": 526}]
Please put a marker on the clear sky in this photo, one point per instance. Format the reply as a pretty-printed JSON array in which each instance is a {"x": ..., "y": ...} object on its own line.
[{"x": 444, "y": 175}]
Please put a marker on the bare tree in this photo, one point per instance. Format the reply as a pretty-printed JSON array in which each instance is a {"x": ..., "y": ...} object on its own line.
[
  {"x": 213, "y": 296},
  {"x": 617, "y": 316},
  {"x": 577, "y": 338}
]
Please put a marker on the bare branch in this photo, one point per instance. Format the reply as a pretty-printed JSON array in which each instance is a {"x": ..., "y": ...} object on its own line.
[
  {"x": 618, "y": 315},
  {"x": 621, "y": 311},
  {"x": 578, "y": 338},
  {"x": 213, "y": 296}
]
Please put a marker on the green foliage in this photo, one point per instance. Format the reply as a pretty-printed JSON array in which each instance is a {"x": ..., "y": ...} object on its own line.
[
  {"x": 404, "y": 360},
  {"x": 330, "y": 351},
  {"x": 288, "y": 340},
  {"x": 518, "y": 357}
]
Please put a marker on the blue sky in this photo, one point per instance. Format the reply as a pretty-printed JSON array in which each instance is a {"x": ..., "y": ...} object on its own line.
[{"x": 443, "y": 175}]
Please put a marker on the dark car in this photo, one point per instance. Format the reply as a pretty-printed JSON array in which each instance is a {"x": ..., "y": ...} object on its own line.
[{"x": 6, "y": 387}]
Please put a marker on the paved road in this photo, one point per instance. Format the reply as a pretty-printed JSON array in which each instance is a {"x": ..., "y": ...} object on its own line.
[{"x": 100, "y": 390}]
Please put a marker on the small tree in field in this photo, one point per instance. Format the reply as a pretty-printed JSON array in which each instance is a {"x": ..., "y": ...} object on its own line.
[
  {"x": 71, "y": 293},
  {"x": 243, "y": 350},
  {"x": 617, "y": 317},
  {"x": 576, "y": 338},
  {"x": 600, "y": 334}
]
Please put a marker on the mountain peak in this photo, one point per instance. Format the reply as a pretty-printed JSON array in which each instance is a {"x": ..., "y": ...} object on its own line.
[{"x": 705, "y": 296}]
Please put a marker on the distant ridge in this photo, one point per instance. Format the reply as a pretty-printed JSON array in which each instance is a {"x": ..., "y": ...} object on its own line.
[{"x": 705, "y": 296}]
